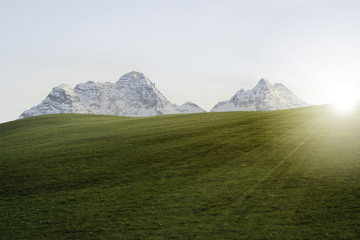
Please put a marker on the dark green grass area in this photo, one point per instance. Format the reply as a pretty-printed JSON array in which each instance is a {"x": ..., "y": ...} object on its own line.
[{"x": 290, "y": 174}]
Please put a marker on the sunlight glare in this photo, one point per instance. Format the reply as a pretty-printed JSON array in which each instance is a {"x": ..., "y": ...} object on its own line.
[{"x": 345, "y": 103}]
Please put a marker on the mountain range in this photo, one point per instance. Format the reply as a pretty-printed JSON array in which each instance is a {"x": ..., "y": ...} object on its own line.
[
  {"x": 132, "y": 95},
  {"x": 136, "y": 96},
  {"x": 263, "y": 97}
]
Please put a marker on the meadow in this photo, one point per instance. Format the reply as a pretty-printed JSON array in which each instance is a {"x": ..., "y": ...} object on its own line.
[{"x": 288, "y": 174}]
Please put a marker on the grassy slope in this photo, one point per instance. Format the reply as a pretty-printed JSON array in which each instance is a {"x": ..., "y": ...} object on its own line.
[{"x": 292, "y": 174}]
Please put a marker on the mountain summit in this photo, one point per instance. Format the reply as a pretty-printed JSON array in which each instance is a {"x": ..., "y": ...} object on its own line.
[
  {"x": 263, "y": 97},
  {"x": 132, "y": 95}
]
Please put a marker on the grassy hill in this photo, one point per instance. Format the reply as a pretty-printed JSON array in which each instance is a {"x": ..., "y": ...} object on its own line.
[{"x": 290, "y": 174}]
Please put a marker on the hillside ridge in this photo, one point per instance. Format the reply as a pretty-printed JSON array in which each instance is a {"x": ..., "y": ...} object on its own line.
[{"x": 228, "y": 175}]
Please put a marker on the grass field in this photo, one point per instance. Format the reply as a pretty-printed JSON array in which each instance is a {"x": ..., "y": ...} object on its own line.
[{"x": 290, "y": 174}]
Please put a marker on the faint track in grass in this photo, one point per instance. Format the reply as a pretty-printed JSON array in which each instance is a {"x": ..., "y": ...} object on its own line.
[{"x": 263, "y": 178}]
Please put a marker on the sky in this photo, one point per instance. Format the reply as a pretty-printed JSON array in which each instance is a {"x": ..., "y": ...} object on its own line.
[{"x": 202, "y": 51}]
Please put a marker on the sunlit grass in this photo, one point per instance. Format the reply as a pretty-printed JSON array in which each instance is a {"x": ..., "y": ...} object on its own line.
[{"x": 291, "y": 174}]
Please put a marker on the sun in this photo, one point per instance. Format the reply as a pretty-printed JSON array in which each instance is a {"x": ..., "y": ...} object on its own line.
[
  {"x": 342, "y": 96},
  {"x": 345, "y": 102},
  {"x": 344, "y": 105},
  {"x": 343, "y": 99}
]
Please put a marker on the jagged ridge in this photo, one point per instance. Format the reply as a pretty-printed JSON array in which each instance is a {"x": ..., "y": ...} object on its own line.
[
  {"x": 263, "y": 97},
  {"x": 132, "y": 95},
  {"x": 135, "y": 95}
]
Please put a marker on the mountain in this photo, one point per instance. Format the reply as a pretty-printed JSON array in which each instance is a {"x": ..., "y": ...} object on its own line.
[
  {"x": 263, "y": 97},
  {"x": 132, "y": 95},
  {"x": 189, "y": 107}
]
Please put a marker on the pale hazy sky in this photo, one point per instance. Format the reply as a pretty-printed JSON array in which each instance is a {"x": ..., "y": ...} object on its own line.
[{"x": 202, "y": 51}]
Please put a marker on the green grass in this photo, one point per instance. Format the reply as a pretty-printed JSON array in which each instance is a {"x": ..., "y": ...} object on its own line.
[{"x": 290, "y": 174}]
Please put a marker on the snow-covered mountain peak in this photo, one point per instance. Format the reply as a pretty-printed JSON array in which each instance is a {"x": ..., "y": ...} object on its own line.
[
  {"x": 264, "y": 81},
  {"x": 189, "y": 103},
  {"x": 264, "y": 96},
  {"x": 87, "y": 85},
  {"x": 132, "y": 95},
  {"x": 189, "y": 107},
  {"x": 134, "y": 78},
  {"x": 264, "y": 86},
  {"x": 64, "y": 87}
]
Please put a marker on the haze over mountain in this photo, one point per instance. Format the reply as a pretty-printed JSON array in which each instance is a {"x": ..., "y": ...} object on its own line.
[
  {"x": 135, "y": 95},
  {"x": 263, "y": 97},
  {"x": 132, "y": 95}
]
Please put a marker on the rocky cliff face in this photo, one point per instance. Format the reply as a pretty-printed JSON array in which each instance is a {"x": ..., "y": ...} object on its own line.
[
  {"x": 132, "y": 95},
  {"x": 263, "y": 97}
]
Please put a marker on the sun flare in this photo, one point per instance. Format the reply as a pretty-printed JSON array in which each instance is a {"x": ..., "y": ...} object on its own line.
[
  {"x": 343, "y": 98},
  {"x": 344, "y": 106}
]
